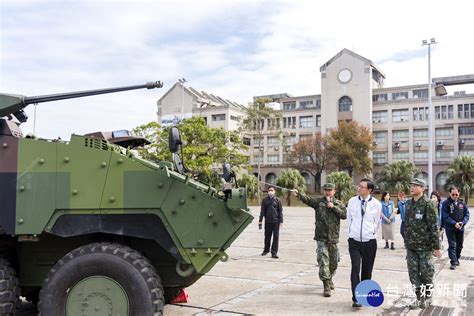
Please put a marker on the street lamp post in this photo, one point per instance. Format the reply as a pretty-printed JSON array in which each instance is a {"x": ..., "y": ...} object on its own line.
[
  {"x": 182, "y": 81},
  {"x": 430, "y": 116}
]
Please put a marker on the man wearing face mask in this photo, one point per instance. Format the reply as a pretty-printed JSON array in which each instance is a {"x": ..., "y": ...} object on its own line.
[
  {"x": 328, "y": 213},
  {"x": 272, "y": 210},
  {"x": 455, "y": 217}
]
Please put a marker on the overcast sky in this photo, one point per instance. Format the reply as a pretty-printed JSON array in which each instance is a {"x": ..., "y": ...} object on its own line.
[{"x": 234, "y": 49}]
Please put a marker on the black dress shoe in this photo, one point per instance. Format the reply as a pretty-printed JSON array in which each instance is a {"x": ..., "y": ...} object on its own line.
[
  {"x": 453, "y": 267},
  {"x": 264, "y": 253},
  {"x": 274, "y": 256},
  {"x": 356, "y": 304}
]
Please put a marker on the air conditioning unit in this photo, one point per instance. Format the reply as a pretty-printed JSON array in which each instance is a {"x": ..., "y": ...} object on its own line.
[
  {"x": 418, "y": 144},
  {"x": 374, "y": 143},
  {"x": 462, "y": 142},
  {"x": 396, "y": 145},
  {"x": 276, "y": 148},
  {"x": 439, "y": 143}
]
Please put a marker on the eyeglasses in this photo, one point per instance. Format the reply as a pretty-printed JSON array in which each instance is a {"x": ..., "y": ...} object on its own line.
[{"x": 454, "y": 194}]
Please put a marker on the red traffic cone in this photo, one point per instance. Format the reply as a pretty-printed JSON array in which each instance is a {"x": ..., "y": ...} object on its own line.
[{"x": 182, "y": 297}]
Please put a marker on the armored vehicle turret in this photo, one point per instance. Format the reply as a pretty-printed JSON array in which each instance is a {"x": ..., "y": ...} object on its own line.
[{"x": 87, "y": 227}]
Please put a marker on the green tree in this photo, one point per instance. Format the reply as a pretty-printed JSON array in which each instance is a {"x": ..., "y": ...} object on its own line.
[
  {"x": 250, "y": 182},
  {"x": 204, "y": 150},
  {"x": 312, "y": 155},
  {"x": 291, "y": 179},
  {"x": 257, "y": 116},
  {"x": 396, "y": 176},
  {"x": 345, "y": 188},
  {"x": 461, "y": 174},
  {"x": 350, "y": 145}
]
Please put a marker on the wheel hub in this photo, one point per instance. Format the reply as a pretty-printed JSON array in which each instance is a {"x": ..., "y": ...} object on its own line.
[{"x": 97, "y": 296}]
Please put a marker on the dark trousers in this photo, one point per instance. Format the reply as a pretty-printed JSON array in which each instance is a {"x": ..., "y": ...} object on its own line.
[
  {"x": 361, "y": 252},
  {"x": 455, "y": 241},
  {"x": 272, "y": 229}
]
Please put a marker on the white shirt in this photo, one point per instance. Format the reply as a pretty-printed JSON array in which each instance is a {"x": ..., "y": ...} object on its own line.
[{"x": 364, "y": 225}]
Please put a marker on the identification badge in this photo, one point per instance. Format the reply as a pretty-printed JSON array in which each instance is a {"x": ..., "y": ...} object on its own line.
[{"x": 419, "y": 215}]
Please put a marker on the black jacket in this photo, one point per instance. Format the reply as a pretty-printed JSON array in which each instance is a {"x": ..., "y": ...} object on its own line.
[
  {"x": 454, "y": 212},
  {"x": 272, "y": 210}
]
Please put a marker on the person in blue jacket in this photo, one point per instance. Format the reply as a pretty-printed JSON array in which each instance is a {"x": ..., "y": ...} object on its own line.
[
  {"x": 455, "y": 217},
  {"x": 401, "y": 210}
]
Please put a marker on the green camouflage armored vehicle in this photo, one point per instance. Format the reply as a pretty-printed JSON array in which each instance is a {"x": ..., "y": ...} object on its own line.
[{"x": 89, "y": 228}]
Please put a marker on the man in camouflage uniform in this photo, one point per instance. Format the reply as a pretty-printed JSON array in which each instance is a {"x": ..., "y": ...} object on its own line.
[
  {"x": 328, "y": 213},
  {"x": 421, "y": 242}
]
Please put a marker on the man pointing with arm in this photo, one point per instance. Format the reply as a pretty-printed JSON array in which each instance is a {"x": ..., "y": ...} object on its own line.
[{"x": 328, "y": 212}]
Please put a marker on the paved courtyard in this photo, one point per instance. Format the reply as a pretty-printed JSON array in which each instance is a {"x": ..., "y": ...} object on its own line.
[{"x": 251, "y": 284}]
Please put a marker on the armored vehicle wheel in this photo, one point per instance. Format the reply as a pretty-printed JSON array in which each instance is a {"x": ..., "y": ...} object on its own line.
[
  {"x": 102, "y": 279},
  {"x": 9, "y": 290}
]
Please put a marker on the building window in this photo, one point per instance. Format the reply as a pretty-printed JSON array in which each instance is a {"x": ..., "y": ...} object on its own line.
[
  {"x": 270, "y": 178},
  {"x": 257, "y": 141},
  {"x": 466, "y": 153},
  {"x": 345, "y": 104},
  {"x": 290, "y": 140},
  {"x": 420, "y": 133},
  {"x": 305, "y": 137},
  {"x": 399, "y": 135},
  {"x": 420, "y": 94},
  {"x": 235, "y": 118},
  {"x": 444, "y": 154},
  {"x": 272, "y": 159},
  {"x": 318, "y": 120},
  {"x": 420, "y": 114},
  {"x": 306, "y": 104},
  {"x": 466, "y": 130},
  {"x": 289, "y": 106},
  {"x": 306, "y": 121},
  {"x": 380, "y": 158},
  {"x": 400, "y": 115},
  {"x": 444, "y": 132},
  {"x": 379, "y": 97},
  {"x": 257, "y": 159},
  {"x": 307, "y": 178},
  {"x": 289, "y": 122},
  {"x": 400, "y": 155},
  {"x": 380, "y": 137},
  {"x": 441, "y": 179},
  {"x": 444, "y": 112},
  {"x": 272, "y": 140},
  {"x": 318, "y": 104},
  {"x": 218, "y": 117},
  {"x": 380, "y": 116},
  {"x": 399, "y": 95},
  {"x": 246, "y": 141},
  {"x": 420, "y": 155}
]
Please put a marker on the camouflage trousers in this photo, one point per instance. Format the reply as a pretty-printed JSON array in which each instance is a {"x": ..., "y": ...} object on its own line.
[
  {"x": 328, "y": 257},
  {"x": 421, "y": 271}
]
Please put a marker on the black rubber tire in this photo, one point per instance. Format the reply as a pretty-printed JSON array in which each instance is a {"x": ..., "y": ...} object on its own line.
[
  {"x": 9, "y": 290},
  {"x": 124, "y": 265}
]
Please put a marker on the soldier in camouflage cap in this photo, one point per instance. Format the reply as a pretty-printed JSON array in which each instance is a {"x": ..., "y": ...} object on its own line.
[
  {"x": 421, "y": 240},
  {"x": 328, "y": 213}
]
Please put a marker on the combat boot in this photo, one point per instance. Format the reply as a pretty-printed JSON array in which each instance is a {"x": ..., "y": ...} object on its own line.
[
  {"x": 331, "y": 284},
  {"x": 327, "y": 288}
]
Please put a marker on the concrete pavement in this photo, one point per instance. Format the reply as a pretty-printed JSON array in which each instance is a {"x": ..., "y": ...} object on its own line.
[{"x": 251, "y": 284}]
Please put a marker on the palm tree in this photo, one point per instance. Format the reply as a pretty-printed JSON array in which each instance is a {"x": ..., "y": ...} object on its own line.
[
  {"x": 345, "y": 188},
  {"x": 461, "y": 174},
  {"x": 291, "y": 179},
  {"x": 396, "y": 176},
  {"x": 250, "y": 182}
]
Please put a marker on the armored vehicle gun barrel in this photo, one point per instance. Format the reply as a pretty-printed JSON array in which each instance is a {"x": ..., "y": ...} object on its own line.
[{"x": 13, "y": 104}]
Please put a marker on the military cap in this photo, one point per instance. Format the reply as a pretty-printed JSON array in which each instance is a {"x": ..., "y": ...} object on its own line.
[
  {"x": 329, "y": 186},
  {"x": 418, "y": 182}
]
